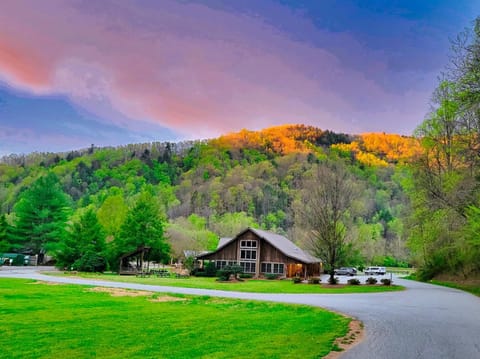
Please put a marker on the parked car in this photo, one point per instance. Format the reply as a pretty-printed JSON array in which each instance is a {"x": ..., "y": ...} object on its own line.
[
  {"x": 375, "y": 271},
  {"x": 346, "y": 271}
]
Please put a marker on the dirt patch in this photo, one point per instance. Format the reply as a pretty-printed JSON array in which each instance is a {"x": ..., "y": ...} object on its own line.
[
  {"x": 354, "y": 336},
  {"x": 325, "y": 285},
  {"x": 46, "y": 283},
  {"x": 167, "y": 298},
  {"x": 120, "y": 292}
]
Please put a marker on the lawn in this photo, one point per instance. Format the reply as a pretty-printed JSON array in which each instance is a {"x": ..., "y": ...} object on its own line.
[
  {"x": 69, "y": 321},
  {"x": 468, "y": 287},
  {"x": 472, "y": 286},
  {"x": 248, "y": 285}
]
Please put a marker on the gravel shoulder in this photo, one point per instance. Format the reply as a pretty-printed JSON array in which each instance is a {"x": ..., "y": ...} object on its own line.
[{"x": 424, "y": 321}]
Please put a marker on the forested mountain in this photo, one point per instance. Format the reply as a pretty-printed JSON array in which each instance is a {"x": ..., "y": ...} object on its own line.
[
  {"x": 214, "y": 188},
  {"x": 410, "y": 200}
]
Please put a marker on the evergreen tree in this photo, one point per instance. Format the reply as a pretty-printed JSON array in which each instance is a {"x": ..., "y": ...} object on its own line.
[
  {"x": 42, "y": 213},
  {"x": 144, "y": 227},
  {"x": 83, "y": 247},
  {"x": 5, "y": 245}
]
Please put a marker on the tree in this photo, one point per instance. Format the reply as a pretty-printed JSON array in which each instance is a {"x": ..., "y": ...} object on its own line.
[
  {"x": 444, "y": 188},
  {"x": 144, "y": 227},
  {"x": 112, "y": 213},
  {"x": 42, "y": 213},
  {"x": 83, "y": 247},
  {"x": 323, "y": 211},
  {"x": 5, "y": 230}
]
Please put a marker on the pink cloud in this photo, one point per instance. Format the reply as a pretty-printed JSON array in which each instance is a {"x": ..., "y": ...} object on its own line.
[{"x": 186, "y": 66}]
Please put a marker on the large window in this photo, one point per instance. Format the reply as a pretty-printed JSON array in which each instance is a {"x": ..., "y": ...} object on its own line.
[
  {"x": 223, "y": 264},
  {"x": 248, "y": 255},
  {"x": 275, "y": 268},
  {"x": 248, "y": 267}
]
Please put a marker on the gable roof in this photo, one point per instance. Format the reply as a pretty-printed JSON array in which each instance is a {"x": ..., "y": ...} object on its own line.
[
  {"x": 223, "y": 241},
  {"x": 278, "y": 241}
]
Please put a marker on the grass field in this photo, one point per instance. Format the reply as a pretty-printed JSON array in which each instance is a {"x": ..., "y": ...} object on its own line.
[
  {"x": 69, "y": 321},
  {"x": 472, "y": 286},
  {"x": 249, "y": 285}
]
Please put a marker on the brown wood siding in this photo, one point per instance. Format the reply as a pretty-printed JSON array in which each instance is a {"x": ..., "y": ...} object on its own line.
[
  {"x": 271, "y": 254},
  {"x": 229, "y": 253},
  {"x": 265, "y": 253}
]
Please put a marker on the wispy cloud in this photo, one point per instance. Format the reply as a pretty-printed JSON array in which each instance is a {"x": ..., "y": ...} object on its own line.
[{"x": 202, "y": 70}]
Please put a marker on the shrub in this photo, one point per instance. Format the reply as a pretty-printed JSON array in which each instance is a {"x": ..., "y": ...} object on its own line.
[
  {"x": 386, "y": 281},
  {"x": 296, "y": 280},
  {"x": 314, "y": 280},
  {"x": 210, "y": 269},
  {"x": 333, "y": 280},
  {"x": 90, "y": 262},
  {"x": 371, "y": 280},
  {"x": 271, "y": 276},
  {"x": 353, "y": 281},
  {"x": 227, "y": 271},
  {"x": 199, "y": 272},
  {"x": 245, "y": 275}
]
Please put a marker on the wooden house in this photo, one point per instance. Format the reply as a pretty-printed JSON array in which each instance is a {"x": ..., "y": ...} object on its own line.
[{"x": 260, "y": 252}]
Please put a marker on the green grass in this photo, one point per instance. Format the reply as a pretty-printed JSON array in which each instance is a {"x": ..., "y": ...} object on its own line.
[
  {"x": 471, "y": 288},
  {"x": 70, "y": 321},
  {"x": 250, "y": 285},
  {"x": 467, "y": 287}
]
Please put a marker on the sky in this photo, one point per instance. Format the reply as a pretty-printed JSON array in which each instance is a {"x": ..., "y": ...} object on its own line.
[{"x": 75, "y": 73}]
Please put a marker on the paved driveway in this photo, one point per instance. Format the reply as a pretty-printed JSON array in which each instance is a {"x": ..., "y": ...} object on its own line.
[{"x": 424, "y": 321}]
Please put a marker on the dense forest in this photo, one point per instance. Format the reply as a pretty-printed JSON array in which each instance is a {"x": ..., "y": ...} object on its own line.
[
  {"x": 417, "y": 199},
  {"x": 200, "y": 191}
]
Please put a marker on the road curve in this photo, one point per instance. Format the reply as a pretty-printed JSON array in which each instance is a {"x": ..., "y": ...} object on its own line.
[{"x": 425, "y": 321}]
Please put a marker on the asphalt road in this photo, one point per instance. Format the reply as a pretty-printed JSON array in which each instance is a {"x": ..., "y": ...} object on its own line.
[{"x": 425, "y": 321}]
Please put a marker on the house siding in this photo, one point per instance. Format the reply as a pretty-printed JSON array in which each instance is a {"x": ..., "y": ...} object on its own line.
[{"x": 266, "y": 253}]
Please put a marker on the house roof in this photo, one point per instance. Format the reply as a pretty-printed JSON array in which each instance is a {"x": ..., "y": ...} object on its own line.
[
  {"x": 280, "y": 242},
  {"x": 223, "y": 241}
]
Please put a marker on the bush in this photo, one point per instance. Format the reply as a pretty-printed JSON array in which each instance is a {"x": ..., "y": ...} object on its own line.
[
  {"x": 245, "y": 275},
  {"x": 271, "y": 276},
  {"x": 353, "y": 281},
  {"x": 90, "y": 262},
  {"x": 296, "y": 280},
  {"x": 314, "y": 280},
  {"x": 227, "y": 271},
  {"x": 210, "y": 270},
  {"x": 371, "y": 280},
  {"x": 386, "y": 281},
  {"x": 333, "y": 280}
]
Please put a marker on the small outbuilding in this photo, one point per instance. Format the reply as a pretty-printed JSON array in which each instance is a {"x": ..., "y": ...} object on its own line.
[
  {"x": 132, "y": 263},
  {"x": 260, "y": 253}
]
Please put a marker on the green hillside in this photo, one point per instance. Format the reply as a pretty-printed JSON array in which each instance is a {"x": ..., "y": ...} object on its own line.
[{"x": 193, "y": 193}]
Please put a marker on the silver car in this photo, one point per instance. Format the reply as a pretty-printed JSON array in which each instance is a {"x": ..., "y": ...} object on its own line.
[{"x": 346, "y": 271}]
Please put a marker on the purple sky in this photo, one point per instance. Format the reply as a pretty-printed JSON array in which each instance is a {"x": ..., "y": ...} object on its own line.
[{"x": 75, "y": 73}]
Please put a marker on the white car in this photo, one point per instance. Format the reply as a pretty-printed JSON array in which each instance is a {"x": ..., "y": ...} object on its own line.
[{"x": 375, "y": 271}]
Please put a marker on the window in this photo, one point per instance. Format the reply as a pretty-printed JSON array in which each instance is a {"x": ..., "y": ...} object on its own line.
[
  {"x": 220, "y": 264},
  {"x": 248, "y": 267},
  {"x": 223, "y": 264},
  {"x": 248, "y": 254},
  {"x": 248, "y": 244},
  {"x": 275, "y": 268}
]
